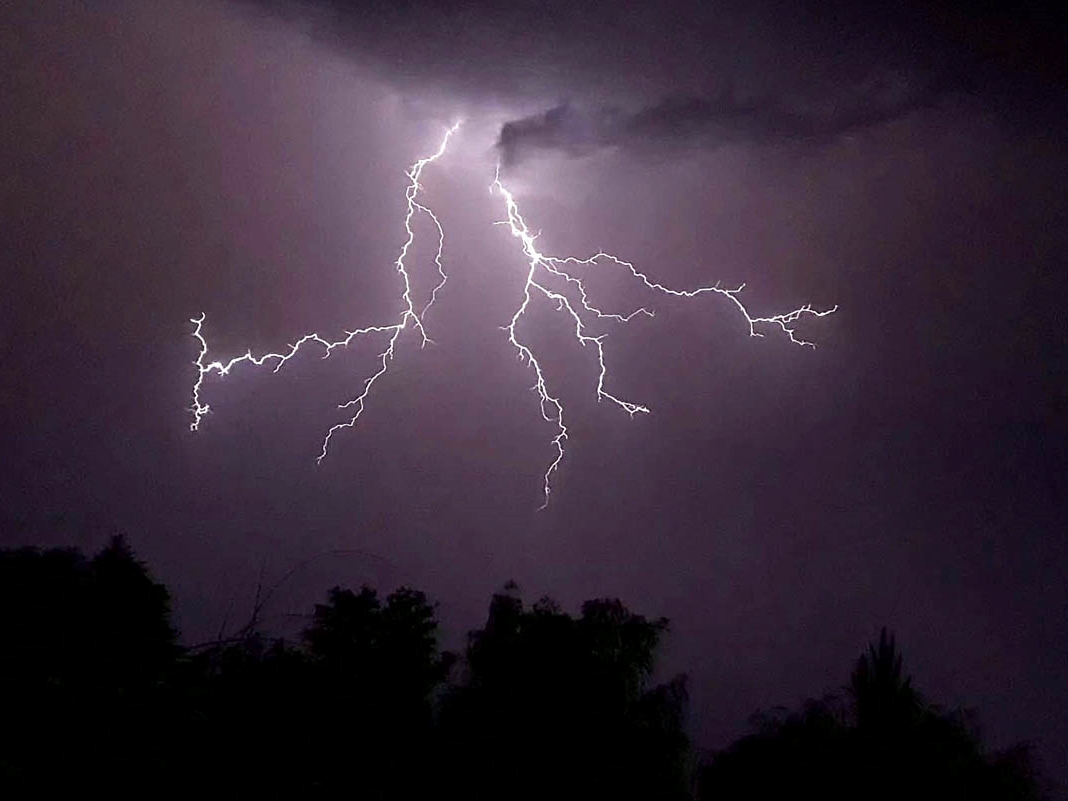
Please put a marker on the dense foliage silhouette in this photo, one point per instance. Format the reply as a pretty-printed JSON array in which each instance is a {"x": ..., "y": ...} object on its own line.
[
  {"x": 99, "y": 698},
  {"x": 347, "y": 707},
  {"x": 86, "y": 650},
  {"x": 559, "y": 706},
  {"x": 885, "y": 742}
]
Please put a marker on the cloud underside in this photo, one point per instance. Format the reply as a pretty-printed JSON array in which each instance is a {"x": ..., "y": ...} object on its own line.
[
  {"x": 681, "y": 74},
  {"x": 683, "y": 122}
]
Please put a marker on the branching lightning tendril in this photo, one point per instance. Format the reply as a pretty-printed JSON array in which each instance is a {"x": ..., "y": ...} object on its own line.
[
  {"x": 551, "y": 408},
  {"x": 408, "y": 315},
  {"x": 542, "y": 269}
]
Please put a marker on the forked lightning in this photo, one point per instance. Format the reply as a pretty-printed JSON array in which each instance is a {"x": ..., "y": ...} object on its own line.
[
  {"x": 541, "y": 265},
  {"x": 542, "y": 271},
  {"x": 408, "y": 315}
]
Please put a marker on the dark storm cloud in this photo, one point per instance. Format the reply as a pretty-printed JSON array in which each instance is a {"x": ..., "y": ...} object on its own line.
[
  {"x": 1009, "y": 57},
  {"x": 711, "y": 122}
]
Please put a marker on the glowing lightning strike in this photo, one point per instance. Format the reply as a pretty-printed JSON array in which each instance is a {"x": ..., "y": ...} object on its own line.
[
  {"x": 551, "y": 409},
  {"x": 542, "y": 272},
  {"x": 408, "y": 315}
]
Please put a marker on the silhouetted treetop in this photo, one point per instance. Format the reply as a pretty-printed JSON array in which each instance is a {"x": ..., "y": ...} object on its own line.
[
  {"x": 133, "y": 613},
  {"x": 99, "y": 698},
  {"x": 103, "y": 620},
  {"x": 883, "y": 696},
  {"x": 561, "y": 706},
  {"x": 358, "y": 639},
  {"x": 86, "y": 650},
  {"x": 886, "y": 743}
]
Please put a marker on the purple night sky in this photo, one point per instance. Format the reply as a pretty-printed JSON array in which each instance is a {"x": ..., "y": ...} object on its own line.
[{"x": 779, "y": 504}]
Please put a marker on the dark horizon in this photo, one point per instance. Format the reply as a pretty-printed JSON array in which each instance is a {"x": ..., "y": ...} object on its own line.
[
  {"x": 780, "y": 505},
  {"x": 538, "y": 701}
]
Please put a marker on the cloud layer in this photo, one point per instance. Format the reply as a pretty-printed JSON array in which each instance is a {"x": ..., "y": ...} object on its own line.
[{"x": 688, "y": 121}]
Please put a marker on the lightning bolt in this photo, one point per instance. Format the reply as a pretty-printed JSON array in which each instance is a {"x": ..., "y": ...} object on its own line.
[
  {"x": 408, "y": 316},
  {"x": 548, "y": 277},
  {"x": 543, "y": 268}
]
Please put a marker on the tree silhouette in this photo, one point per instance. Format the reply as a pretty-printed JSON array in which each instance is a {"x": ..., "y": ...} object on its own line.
[
  {"x": 98, "y": 697},
  {"x": 376, "y": 667},
  {"x": 134, "y": 641},
  {"x": 348, "y": 709},
  {"x": 884, "y": 701},
  {"x": 557, "y": 706},
  {"x": 886, "y": 743},
  {"x": 86, "y": 649}
]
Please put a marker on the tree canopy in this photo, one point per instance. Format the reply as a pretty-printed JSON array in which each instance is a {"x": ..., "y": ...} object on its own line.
[
  {"x": 885, "y": 741},
  {"x": 99, "y": 696}
]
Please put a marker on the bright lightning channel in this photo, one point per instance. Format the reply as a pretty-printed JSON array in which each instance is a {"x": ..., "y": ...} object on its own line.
[
  {"x": 541, "y": 266},
  {"x": 409, "y": 315}
]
